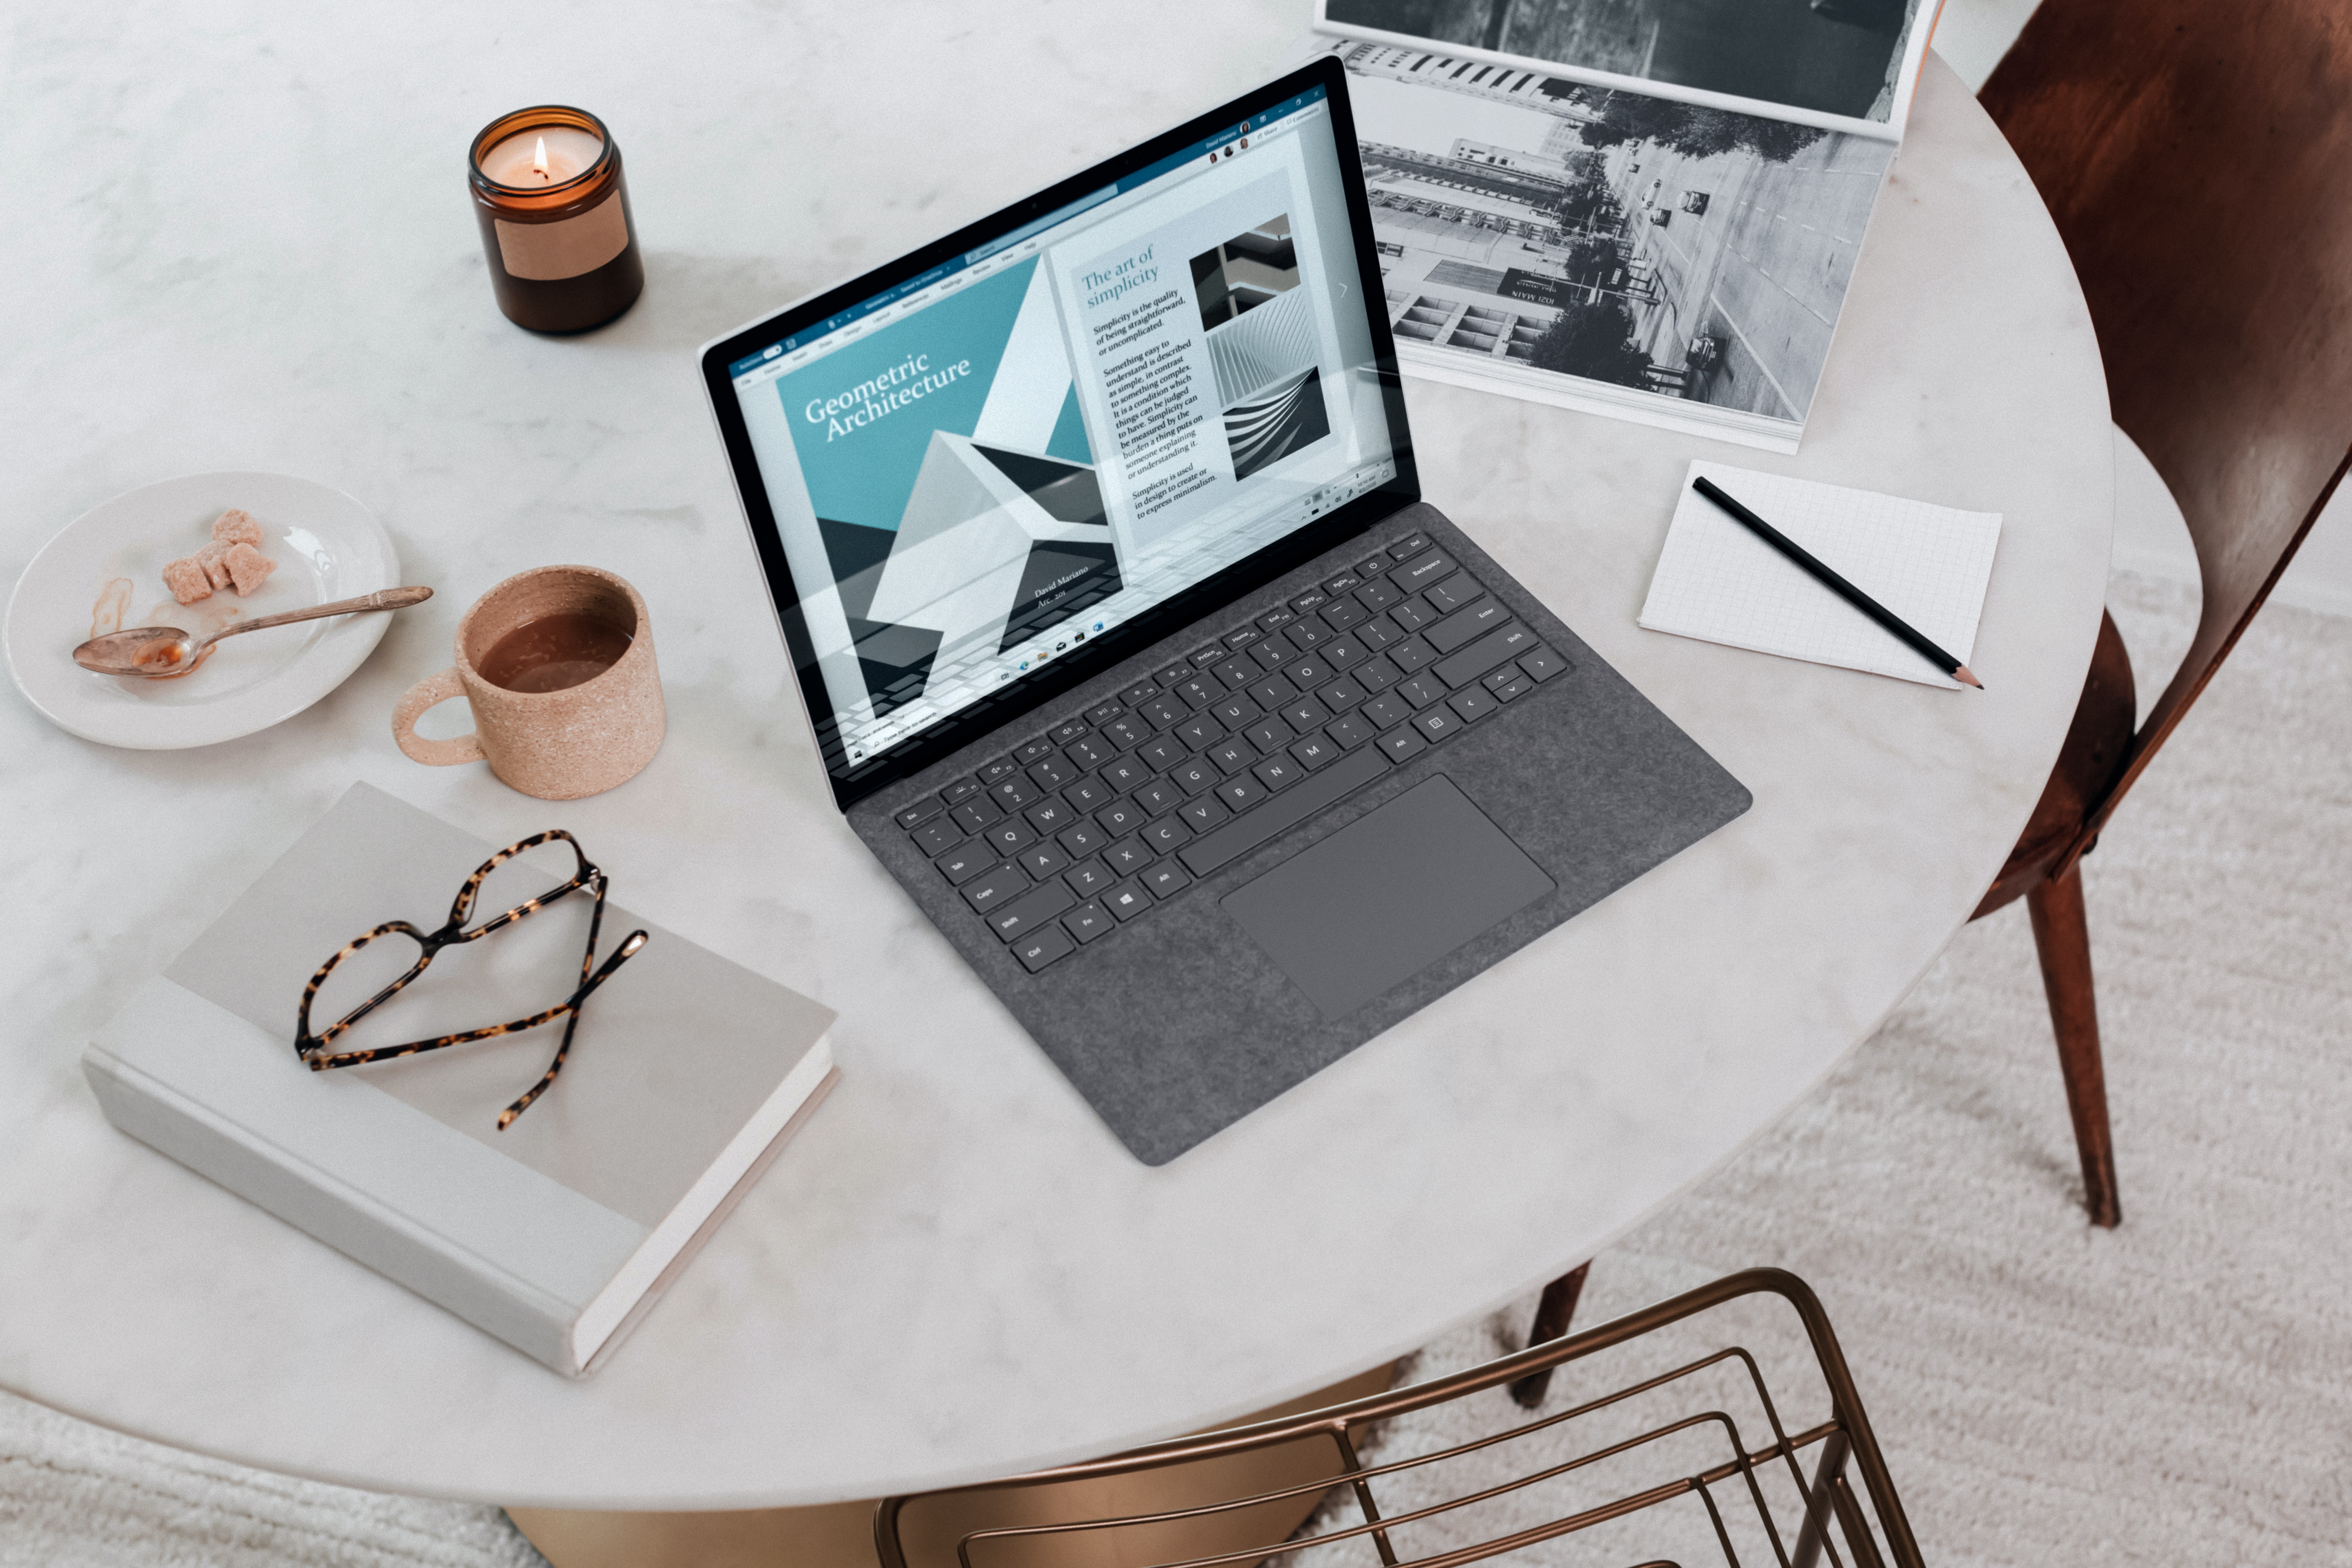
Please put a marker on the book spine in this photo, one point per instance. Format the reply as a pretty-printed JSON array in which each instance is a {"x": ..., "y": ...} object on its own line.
[{"x": 318, "y": 1202}]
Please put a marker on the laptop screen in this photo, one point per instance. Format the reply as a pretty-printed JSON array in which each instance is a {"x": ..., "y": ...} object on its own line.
[{"x": 1026, "y": 446}]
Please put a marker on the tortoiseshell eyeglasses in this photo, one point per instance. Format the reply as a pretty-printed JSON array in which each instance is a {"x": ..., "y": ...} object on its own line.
[{"x": 312, "y": 1048}]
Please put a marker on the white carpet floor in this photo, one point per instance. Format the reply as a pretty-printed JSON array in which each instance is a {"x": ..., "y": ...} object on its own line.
[{"x": 2177, "y": 1392}]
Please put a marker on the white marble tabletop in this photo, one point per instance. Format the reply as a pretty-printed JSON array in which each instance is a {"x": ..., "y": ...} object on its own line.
[{"x": 242, "y": 242}]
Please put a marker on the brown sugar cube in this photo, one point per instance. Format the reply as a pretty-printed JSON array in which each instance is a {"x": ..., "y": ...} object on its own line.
[
  {"x": 236, "y": 527},
  {"x": 248, "y": 568},
  {"x": 214, "y": 559},
  {"x": 187, "y": 580}
]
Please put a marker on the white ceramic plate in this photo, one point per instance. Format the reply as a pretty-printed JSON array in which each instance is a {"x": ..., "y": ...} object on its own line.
[{"x": 327, "y": 546}]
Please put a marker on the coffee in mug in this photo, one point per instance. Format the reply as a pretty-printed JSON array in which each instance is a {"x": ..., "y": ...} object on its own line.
[
  {"x": 555, "y": 651},
  {"x": 557, "y": 664}
]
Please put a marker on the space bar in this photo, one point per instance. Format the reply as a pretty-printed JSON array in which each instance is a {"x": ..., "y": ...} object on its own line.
[{"x": 1284, "y": 811}]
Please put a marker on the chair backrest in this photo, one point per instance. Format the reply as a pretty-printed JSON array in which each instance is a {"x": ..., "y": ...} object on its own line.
[
  {"x": 1232, "y": 1499},
  {"x": 2197, "y": 159}
]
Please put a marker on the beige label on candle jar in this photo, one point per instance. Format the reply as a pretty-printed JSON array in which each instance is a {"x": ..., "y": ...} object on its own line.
[{"x": 547, "y": 251}]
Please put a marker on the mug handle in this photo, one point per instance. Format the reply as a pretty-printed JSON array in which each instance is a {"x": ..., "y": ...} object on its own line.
[{"x": 432, "y": 690}]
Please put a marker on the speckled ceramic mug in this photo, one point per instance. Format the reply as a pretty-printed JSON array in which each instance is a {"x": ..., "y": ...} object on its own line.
[{"x": 557, "y": 745}]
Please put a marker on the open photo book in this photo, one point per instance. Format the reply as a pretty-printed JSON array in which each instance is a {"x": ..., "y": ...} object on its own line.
[{"x": 1645, "y": 208}]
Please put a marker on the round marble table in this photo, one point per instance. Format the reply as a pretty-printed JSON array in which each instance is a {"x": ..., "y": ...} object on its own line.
[{"x": 249, "y": 247}]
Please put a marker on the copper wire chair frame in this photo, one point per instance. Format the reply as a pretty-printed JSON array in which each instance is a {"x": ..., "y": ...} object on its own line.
[
  {"x": 1847, "y": 1435},
  {"x": 311, "y": 1049},
  {"x": 1376, "y": 1524}
]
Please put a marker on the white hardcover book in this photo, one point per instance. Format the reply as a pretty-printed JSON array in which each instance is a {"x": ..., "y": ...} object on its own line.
[{"x": 686, "y": 1076}]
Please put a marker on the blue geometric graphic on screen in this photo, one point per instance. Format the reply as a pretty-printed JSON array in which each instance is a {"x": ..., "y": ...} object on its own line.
[
  {"x": 1068, "y": 490},
  {"x": 1062, "y": 578},
  {"x": 1069, "y": 572},
  {"x": 1069, "y": 442},
  {"x": 863, "y": 473},
  {"x": 895, "y": 660}
]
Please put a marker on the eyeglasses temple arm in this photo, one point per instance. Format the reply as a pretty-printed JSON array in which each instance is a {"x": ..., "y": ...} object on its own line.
[{"x": 621, "y": 954}]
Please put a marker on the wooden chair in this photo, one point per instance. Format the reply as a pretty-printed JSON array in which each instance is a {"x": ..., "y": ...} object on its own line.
[
  {"x": 1696, "y": 1434},
  {"x": 2197, "y": 161}
]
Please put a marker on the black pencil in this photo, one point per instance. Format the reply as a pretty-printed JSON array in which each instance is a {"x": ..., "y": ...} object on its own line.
[{"x": 1843, "y": 589}]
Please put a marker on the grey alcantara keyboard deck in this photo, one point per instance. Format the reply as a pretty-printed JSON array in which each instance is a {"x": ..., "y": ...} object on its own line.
[{"x": 1077, "y": 859}]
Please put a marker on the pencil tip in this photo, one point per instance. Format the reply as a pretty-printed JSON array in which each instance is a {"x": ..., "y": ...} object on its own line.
[{"x": 1964, "y": 674}]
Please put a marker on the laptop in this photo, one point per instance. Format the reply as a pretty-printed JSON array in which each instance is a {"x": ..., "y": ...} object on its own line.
[{"x": 1132, "y": 650}]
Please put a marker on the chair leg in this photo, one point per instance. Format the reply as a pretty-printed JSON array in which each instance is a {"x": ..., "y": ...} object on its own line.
[
  {"x": 2064, "y": 939},
  {"x": 1820, "y": 1503},
  {"x": 1552, "y": 1313}
]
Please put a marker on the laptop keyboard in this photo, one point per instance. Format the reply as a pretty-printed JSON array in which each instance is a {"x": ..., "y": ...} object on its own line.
[{"x": 1107, "y": 814}]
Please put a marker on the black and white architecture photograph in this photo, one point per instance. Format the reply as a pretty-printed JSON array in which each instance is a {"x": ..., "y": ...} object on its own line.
[
  {"x": 1262, "y": 344},
  {"x": 1691, "y": 253},
  {"x": 1840, "y": 57},
  {"x": 1252, "y": 268},
  {"x": 1266, "y": 427}
]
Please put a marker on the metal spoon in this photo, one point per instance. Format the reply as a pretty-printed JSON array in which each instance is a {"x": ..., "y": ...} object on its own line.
[{"x": 163, "y": 651}]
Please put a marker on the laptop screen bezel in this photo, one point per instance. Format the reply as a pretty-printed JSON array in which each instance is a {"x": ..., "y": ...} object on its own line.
[{"x": 995, "y": 710}]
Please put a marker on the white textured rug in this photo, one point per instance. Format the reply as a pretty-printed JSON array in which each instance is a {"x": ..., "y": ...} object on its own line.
[{"x": 2177, "y": 1392}]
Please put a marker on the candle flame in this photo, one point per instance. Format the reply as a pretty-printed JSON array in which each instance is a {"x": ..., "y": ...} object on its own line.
[{"x": 539, "y": 158}]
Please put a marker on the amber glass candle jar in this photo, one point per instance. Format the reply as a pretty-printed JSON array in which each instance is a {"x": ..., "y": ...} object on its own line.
[{"x": 554, "y": 212}]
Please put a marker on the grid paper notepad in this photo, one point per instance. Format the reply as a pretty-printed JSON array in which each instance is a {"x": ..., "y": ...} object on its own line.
[{"x": 1719, "y": 583}]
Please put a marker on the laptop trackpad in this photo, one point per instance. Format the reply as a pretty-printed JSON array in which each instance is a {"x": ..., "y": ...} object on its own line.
[{"x": 1387, "y": 896}]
